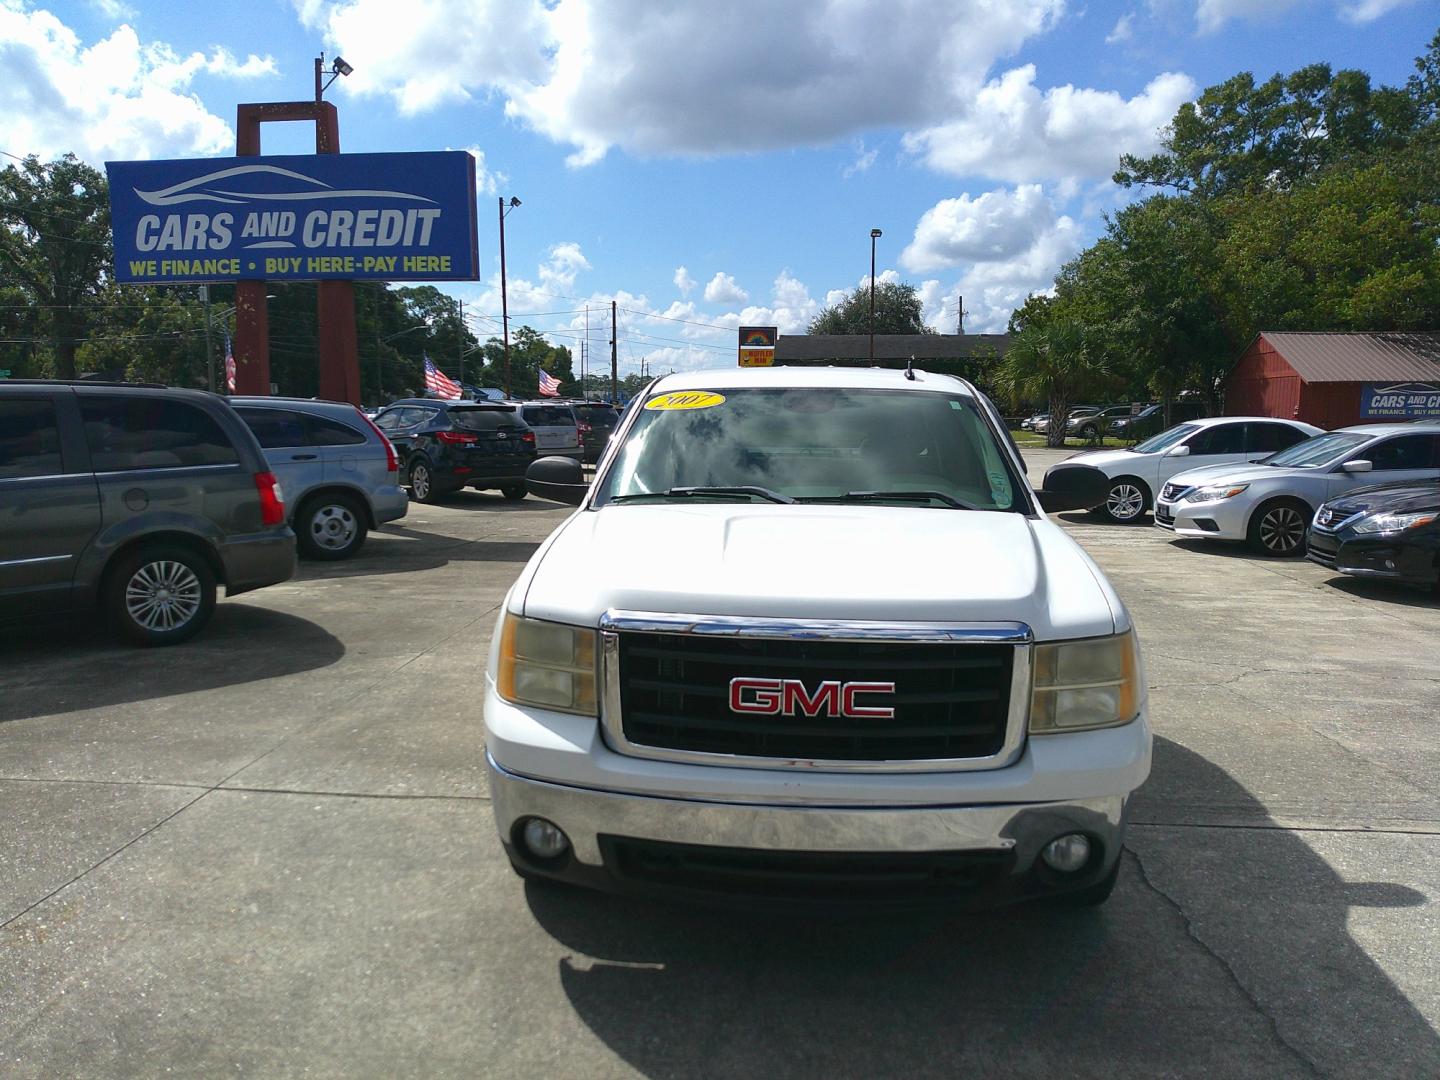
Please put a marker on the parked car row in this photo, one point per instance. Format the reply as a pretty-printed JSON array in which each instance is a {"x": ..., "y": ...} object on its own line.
[
  {"x": 1132, "y": 422},
  {"x": 1363, "y": 499}
]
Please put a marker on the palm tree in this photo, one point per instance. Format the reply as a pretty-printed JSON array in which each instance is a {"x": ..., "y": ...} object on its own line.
[{"x": 1054, "y": 361}]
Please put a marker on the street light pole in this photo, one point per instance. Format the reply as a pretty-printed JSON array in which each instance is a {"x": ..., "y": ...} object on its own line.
[
  {"x": 875, "y": 234},
  {"x": 504, "y": 299}
]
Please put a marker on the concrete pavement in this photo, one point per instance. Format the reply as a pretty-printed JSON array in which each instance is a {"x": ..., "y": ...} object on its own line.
[{"x": 269, "y": 852}]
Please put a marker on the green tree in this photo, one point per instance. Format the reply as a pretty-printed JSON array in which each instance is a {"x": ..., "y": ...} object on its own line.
[
  {"x": 1051, "y": 360},
  {"x": 897, "y": 311},
  {"x": 55, "y": 243}
]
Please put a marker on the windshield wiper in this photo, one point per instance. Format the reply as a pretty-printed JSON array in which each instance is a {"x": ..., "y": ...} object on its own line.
[
  {"x": 896, "y": 496},
  {"x": 690, "y": 492}
]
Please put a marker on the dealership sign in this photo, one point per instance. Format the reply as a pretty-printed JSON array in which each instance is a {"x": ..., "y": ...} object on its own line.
[
  {"x": 1400, "y": 401},
  {"x": 387, "y": 217}
]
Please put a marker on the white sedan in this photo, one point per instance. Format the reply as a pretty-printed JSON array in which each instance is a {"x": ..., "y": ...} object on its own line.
[
  {"x": 1138, "y": 473},
  {"x": 1270, "y": 504}
]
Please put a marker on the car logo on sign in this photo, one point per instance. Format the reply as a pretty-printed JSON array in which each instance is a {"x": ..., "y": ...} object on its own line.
[{"x": 790, "y": 697}]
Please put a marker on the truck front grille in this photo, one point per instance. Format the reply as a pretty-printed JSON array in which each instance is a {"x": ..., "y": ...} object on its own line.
[{"x": 951, "y": 699}]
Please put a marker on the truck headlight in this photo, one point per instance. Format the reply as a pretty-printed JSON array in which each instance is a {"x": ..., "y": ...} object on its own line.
[
  {"x": 1083, "y": 685},
  {"x": 547, "y": 664},
  {"x": 1393, "y": 523},
  {"x": 1216, "y": 493}
]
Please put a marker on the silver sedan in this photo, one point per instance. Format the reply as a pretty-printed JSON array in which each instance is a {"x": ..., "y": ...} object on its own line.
[{"x": 1270, "y": 504}]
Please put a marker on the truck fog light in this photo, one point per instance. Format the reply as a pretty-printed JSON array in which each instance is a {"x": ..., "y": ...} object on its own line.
[
  {"x": 1066, "y": 853},
  {"x": 544, "y": 839}
]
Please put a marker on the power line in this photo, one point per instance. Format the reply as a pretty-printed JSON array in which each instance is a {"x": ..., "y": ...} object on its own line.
[{"x": 671, "y": 318}]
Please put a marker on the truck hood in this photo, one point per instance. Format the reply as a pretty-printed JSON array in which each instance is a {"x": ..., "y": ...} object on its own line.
[{"x": 870, "y": 563}]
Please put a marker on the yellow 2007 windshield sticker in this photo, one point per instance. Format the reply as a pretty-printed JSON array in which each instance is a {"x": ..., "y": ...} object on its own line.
[{"x": 686, "y": 399}]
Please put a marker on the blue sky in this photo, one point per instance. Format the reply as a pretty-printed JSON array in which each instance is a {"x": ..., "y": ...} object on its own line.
[{"x": 753, "y": 144}]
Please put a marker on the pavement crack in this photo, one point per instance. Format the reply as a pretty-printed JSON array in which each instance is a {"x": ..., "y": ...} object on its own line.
[
  {"x": 1304, "y": 1059},
  {"x": 105, "y": 859}
]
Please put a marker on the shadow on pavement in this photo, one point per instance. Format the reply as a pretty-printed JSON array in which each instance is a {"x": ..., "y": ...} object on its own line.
[
  {"x": 61, "y": 667},
  {"x": 1387, "y": 592},
  {"x": 416, "y": 550},
  {"x": 1132, "y": 989}
]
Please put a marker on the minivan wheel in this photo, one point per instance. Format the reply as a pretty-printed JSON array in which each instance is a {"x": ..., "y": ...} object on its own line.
[
  {"x": 1126, "y": 501},
  {"x": 160, "y": 595},
  {"x": 422, "y": 482},
  {"x": 514, "y": 492},
  {"x": 330, "y": 527},
  {"x": 1278, "y": 528}
]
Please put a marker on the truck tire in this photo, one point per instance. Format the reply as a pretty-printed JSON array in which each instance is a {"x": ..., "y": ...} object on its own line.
[{"x": 159, "y": 594}]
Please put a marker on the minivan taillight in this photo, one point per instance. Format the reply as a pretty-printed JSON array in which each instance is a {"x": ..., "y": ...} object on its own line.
[
  {"x": 272, "y": 499},
  {"x": 456, "y": 437},
  {"x": 392, "y": 463},
  {"x": 527, "y": 436}
]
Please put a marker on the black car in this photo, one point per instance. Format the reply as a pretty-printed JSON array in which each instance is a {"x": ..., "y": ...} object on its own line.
[
  {"x": 448, "y": 445},
  {"x": 1151, "y": 420},
  {"x": 1389, "y": 531},
  {"x": 138, "y": 500},
  {"x": 598, "y": 421}
]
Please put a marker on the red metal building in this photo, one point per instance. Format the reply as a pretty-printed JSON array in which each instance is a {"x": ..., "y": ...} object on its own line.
[{"x": 1326, "y": 379}]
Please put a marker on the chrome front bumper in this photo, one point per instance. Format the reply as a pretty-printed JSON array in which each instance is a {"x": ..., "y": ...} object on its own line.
[{"x": 587, "y": 816}]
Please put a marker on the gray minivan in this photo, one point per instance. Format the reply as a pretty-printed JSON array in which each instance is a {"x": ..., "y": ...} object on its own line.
[
  {"x": 135, "y": 499},
  {"x": 339, "y": 471},
  {"x": 557, "y": 434}
]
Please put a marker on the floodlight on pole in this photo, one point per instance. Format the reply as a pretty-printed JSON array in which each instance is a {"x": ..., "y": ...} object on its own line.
[{"x": 338, "y": 67}]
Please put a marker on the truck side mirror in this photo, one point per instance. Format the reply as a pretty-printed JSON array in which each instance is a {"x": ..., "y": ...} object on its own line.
[
  {"x": 559, "y": 479},
  {"x": 1073, "y": 487}
]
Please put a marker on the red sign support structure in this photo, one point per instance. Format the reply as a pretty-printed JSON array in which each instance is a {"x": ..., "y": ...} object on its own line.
[{"x": 335, "y": 310}]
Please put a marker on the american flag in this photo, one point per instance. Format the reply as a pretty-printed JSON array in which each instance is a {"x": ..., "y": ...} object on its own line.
[
  {"x": 229, "y": 366},
  {"x": 437, "y": 382},
  {"x": 549, "y": 385}
]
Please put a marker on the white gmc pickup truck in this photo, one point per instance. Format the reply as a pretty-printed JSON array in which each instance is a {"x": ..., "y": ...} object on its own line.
[{"x": 810, "y": 635}]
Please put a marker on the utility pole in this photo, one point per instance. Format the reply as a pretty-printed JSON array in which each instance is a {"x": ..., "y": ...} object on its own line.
[
  {"x": 460, "y": 344},
  {"x": 585, "y": 355},
  {"x": 209, "y": 338},
  {"x": 959, "y": 314},
  {"x": 614, "y": 364}
]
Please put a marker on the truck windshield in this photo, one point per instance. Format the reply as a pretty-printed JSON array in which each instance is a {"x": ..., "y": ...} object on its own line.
[{"x": 910, "y": 448}]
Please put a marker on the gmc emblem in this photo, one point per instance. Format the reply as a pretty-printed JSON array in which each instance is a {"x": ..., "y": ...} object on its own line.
[{"x": 788, "y": 697}]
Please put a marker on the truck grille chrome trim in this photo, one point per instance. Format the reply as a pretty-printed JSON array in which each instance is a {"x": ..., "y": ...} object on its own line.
[{"x": 906, "y": 743}]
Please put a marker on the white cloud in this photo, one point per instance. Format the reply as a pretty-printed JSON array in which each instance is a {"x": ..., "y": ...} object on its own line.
[
  {"x": 487, "y": 181},
  {"x": 1124, "y": 29},
  {"x": 683, "y": 281},
  {"x": 1364, "y": 11},
  {"x": 118, "y": 98},
  {"x": 723, "y": 290},
  {"x": 863, "y": 160},
  {"x": 113, "y": 9},
  {"x": 991, "y": 227},
  {"x": 1012, "y": 131},
  {"x": 1211, "y": 15},
  {"x": 1008, "y": 244},
  {"x": 560, "y": 269},
  {"x": 602, "y": 73}
]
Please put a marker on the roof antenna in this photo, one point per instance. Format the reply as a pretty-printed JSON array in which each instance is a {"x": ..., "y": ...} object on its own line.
[{"x": 910, "y": 369}]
